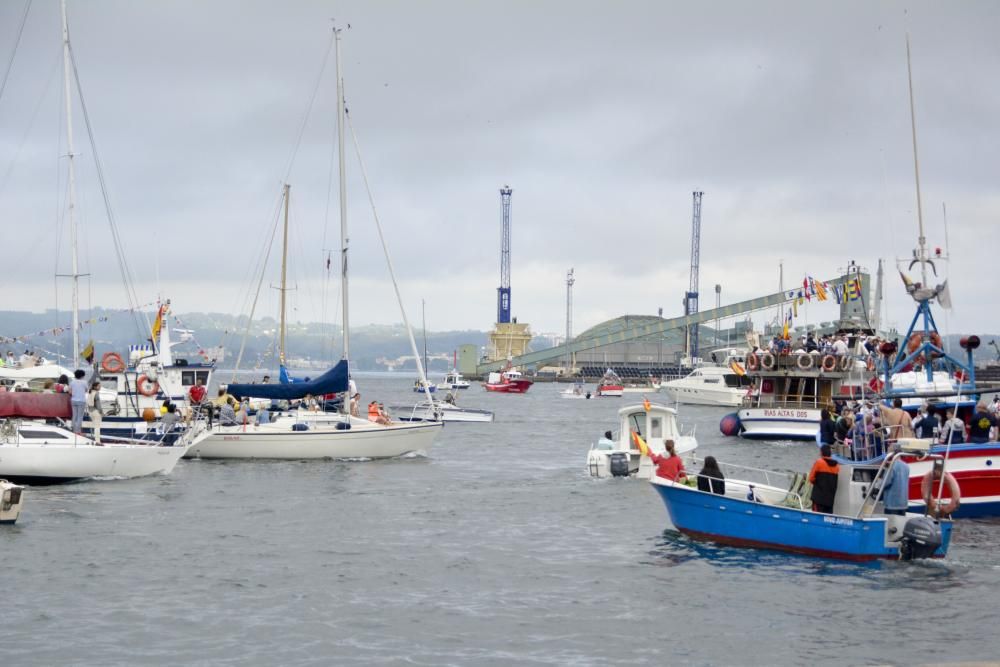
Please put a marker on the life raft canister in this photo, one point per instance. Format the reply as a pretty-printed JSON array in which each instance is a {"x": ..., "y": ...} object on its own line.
[
  {"x": 112, "y": 362},
  {"x": 147, "y": 387}
]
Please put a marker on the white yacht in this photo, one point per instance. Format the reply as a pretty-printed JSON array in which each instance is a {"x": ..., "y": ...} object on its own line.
[
  {"x": 454, "y": 380},
  {"x": 709, "y": 385},
  {"x": 618, "y": 455}
]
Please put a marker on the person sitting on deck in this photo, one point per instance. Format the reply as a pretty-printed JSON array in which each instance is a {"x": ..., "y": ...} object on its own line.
[
  {"x": 376, "y": 413},
  {"x": 670, "y": 466},
  {"x": 710, "y": 477},
  {"x": 823, "y": 477},
  {"x": 227, "y": 416}
]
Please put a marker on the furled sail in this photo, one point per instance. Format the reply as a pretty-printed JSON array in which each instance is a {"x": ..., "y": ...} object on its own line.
[{"x": 333, "y": 381}]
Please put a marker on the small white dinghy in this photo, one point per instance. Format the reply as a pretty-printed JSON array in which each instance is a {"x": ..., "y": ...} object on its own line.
[
  {"x": 11, "y": 500},
  {"x": 578, "y": 391},
  {"x": 617, "y": 456}
]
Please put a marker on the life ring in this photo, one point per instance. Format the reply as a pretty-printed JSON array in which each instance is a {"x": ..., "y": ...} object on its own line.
[
  {"x": 916, "y": 340},
  {"x": 112, "y": 362},
  {"x": 828, "y": 363},
  {"x": 767, "y": 361},
  {"x": 804, "y": 362},
  {"x": 846, "y": 362},
  {"x": 753, "y": 361},
  {"x": 147, "y": 387},
  {"x": 929, "y": 489}
]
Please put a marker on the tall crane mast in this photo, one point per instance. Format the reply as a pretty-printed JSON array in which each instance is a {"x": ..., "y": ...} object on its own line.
[
  {"x": 503, "y": 292},
  {"x": 691, "y": 297}
]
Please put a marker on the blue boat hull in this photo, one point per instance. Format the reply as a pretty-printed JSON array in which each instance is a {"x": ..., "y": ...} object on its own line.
[{"x": 745, "y": 523}]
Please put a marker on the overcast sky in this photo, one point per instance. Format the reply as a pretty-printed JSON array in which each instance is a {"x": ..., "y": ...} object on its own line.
[{"x": 792, "y": 117}]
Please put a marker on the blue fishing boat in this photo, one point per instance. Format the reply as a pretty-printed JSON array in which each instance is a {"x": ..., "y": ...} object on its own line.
[{"x": 759, "y": 511}]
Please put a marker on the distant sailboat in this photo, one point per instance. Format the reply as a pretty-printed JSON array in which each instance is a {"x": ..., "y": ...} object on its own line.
[{"x": 304, "y": 434}]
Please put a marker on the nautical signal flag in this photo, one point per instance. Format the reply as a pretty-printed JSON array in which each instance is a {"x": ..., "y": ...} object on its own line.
[
  {"x": 640, "y": 443},
  {"x": 88, "y": 352},
  {"x": 854, "y": 289}
]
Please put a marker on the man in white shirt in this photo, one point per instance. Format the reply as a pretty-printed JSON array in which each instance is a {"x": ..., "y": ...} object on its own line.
[
  {"x": 78, "y": 399},
  {"x": 840, "y": 346}
]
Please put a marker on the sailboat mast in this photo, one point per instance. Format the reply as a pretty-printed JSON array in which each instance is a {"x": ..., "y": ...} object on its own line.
[
  {"x": 284, "y": 284},
  {"x": 423, "y": 324},
  {"x": 71, "y": 197},
  {"x": 341, "y": 111},
  {"x": 916, "y": 168}
]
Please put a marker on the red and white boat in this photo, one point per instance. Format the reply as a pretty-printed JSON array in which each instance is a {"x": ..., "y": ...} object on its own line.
[
  {"x": 508, "y": 382},
  {"x": 610, "y": 385}
]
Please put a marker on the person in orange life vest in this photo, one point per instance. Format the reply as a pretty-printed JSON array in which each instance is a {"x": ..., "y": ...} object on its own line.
[
  {"x": 823, "y": 477},
  {"x": 670, "y": 466}
]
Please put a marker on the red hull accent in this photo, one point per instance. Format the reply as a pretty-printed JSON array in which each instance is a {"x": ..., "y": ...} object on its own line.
[
  {"x": 34, "y": 406},
  {"x": 977, "y": 483}
]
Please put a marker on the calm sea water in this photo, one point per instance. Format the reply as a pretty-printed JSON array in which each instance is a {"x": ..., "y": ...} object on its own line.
[{"x": 495, "y": 549}]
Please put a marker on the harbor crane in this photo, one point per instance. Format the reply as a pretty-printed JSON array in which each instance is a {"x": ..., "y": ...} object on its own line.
[
  {"x": 691, "y": 296},
  {"x": 503, "y": 292}
]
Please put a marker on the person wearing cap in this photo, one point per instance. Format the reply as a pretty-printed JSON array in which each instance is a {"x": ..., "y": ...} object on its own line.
[{"x": 982, "y": 426}]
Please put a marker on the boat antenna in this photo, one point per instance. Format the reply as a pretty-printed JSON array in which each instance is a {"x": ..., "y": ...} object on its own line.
[{"x": 922, "y": 240}]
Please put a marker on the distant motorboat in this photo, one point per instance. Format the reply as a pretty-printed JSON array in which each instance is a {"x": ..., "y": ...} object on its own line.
[
  {"x": 507, "y": 382},
  {"x": 577, "y": 391},
  {"x": 610, "y": 385},
  {"x": 617, "y": 456},
  {"x": 11, "y": 501},
  {"x": 441, "y": 411},
  {"x": 420, "y": 387},
  {"x": 454, "y": 380},
  {"x": 709, "y": 385}
]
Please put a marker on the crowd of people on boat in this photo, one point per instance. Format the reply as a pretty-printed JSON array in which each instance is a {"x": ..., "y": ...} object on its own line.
[
  {"x": 27, "y": 359},
  {"x": 861, "y": 429},
  {"x": 860, "y": 345}
]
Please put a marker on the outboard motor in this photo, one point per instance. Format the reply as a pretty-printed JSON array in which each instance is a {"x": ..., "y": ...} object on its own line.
[
  {"x": 618, "y": 464},
  {"x": 921, "y": 538}
]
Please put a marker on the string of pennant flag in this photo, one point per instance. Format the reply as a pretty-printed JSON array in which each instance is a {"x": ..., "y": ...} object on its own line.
[{"x": 55, "y": 331}]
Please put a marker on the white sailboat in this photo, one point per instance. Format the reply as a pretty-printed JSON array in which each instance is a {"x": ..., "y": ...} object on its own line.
[
  {"x": 303, "y": 434},
  {"x": 35, "y": 452}
]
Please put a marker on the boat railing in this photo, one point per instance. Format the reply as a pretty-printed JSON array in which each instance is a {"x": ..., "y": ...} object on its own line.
[
  {"x": 777, "y": 488},
  {"x": 752, "y": 475}
]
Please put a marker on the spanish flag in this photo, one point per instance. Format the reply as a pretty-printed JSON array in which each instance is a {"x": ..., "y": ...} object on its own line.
[
  {"x": 645, "y": 404},
  {"x": 640, "y": 443},
  {"x": 785, "y": 334}
]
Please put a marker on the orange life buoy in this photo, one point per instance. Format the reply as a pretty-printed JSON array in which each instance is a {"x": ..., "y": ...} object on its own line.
[
  {"x": 753, "y": 361},
  {"x": 917, "y": 338},
  {"x": 828, "y": 363},
  {"x": 929, "y": 489},
  {"x": 147, "y": 387},
  {"x": 112, "y": 362},
  {"x": 871, "y": 363},
  {"x": 767, "y": 361},
  {"x": 804, "y": 362}
]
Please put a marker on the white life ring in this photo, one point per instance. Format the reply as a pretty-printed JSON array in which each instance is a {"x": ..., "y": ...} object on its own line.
[
  {"x": 804, "y": 362},
  {"x": 846, "y": 362},
  {"x": 767, "y": 361}
]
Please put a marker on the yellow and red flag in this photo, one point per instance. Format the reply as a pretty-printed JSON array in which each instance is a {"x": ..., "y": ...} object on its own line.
[
  {"x": 645, "y": 404},
  {"x": 736, "y": 368},
  {"x": 158, "y": 323},
  {"x": 640, "y": 443}
]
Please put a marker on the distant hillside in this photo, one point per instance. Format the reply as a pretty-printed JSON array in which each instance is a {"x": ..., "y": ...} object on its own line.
[{"x": 310, "y": 342}]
